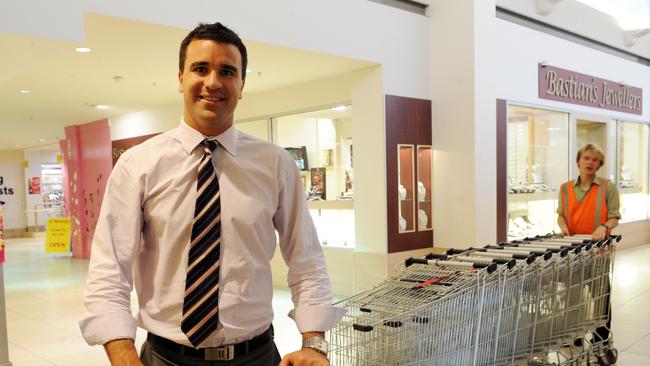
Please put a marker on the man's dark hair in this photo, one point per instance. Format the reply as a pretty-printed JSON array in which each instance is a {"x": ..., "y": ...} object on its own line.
[{"x": 214, "y": 32}]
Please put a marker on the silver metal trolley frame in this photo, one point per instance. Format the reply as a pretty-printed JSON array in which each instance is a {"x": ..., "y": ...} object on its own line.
[{"x": 513, "y": 303}]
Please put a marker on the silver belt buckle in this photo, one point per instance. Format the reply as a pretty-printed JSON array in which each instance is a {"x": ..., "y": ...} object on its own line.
[{"x": 225, "y": 353}]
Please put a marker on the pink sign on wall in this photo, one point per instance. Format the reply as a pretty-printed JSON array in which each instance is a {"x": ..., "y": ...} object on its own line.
[
  {"x": 573, "y": 87},
  {"x": 88, "y": 163},
  {"x": 2, "y": 235}
]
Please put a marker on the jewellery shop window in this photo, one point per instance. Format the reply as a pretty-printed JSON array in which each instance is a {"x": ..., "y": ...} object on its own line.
[
  {"x": 633, "y": 170},
  {"x": 320, "y": 142},
  {"x": 537, "y": 164}
]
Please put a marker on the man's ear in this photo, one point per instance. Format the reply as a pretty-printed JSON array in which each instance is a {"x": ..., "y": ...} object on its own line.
[
  {"x": 180, "y": 81},
  {"x": 241, "y": 91}
]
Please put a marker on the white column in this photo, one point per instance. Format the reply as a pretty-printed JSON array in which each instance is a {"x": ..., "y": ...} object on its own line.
[{"x": 452, "y": 57}]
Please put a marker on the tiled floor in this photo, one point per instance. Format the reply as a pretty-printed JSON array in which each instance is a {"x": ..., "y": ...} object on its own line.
[{"x": 44, "y": 302}]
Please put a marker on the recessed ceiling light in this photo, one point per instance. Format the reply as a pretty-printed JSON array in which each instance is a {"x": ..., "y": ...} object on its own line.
[
  {"x": 340, "y": 108},
  {"x": 41, "y": 140},
  {"x": 25, "y": 91},
  {"x": 249, "y": 70},
  {"x": 101, "y": 106},
  {"x": 83, "y": 49}
]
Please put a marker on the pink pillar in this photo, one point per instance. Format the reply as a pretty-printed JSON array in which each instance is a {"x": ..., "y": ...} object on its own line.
[{"x": 87, "y": 161}]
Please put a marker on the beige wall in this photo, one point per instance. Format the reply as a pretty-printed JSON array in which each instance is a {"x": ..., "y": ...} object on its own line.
[
  {"x": 301, "y": 97},
  {"x": 12, "y": 156}
]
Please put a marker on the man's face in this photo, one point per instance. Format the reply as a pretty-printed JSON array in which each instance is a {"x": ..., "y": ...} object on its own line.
[
  {"x": 211, "y": 83},
  {"x": 589, "y": 162}
]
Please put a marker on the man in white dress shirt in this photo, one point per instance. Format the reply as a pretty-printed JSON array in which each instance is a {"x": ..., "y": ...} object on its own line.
[{"x": 143, "y": 235}]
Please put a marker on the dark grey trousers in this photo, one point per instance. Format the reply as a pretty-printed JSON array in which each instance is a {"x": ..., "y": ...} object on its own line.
[{"x": 267, "y": 355}]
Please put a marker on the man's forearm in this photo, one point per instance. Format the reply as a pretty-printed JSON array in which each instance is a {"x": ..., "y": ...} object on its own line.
[{"x": 122, "y": 352}]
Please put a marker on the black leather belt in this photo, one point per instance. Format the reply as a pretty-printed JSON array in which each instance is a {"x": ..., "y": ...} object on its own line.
[{"x": 223, "y": 353}]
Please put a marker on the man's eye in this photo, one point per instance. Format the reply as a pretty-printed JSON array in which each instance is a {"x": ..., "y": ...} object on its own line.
[
  {"x": 200, "y": 69},
  {"x": 227, "y": 72}
]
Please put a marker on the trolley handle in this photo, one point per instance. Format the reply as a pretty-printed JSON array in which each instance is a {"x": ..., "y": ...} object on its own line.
[
  {"x": 529, "y": 260},
  {"x": 453, "y": 251},
  {"x": 508, "y": 262},
  {"x": 490, "y": 267},
  {"x": 361, "y": 327},
  {"x": 551, "y": 250},
  {"x": 411, "y": 261},
  {"x": 436, "y": 256}
]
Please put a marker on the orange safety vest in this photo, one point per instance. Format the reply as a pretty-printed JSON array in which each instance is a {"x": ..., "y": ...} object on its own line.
[{"x": 585, "y": 217}]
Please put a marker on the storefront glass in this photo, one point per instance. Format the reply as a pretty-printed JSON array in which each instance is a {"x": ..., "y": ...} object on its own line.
[
  {"x": 537, "y": 164},
  {"x": 321, "y": 144},
  {"x": 633, "y": 170}
]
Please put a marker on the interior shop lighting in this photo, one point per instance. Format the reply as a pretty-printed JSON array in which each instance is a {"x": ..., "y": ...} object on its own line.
[
  {"x": 249, "y": 70},
  {"x": 83, "y": 49},
  {"x": 41, "y": 140},
  {"x": 25, "y": 91},
  {"x": 340, "y": 108},
  {"x": 101, "y": 106}
]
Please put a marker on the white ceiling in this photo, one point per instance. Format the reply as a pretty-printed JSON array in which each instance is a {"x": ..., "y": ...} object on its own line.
[{"x": 66, "y": 85}]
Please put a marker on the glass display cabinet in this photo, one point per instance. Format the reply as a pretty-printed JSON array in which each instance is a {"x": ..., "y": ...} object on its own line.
[
  {"x": 633, "y": 170},
  {"x": 424, "y": 188},
  {"x": 406, "y": 187},
  {"x": 537, "y": 164}
]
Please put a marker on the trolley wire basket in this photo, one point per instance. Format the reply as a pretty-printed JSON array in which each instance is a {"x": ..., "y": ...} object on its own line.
[{"x": 511, "y": 303}]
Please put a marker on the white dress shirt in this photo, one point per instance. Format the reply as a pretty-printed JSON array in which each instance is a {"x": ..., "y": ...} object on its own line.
[{"x": 143, "y": 234}]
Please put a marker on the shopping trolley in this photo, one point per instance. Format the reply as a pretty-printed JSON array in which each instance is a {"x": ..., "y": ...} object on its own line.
[{"x": 511, "y": 303}]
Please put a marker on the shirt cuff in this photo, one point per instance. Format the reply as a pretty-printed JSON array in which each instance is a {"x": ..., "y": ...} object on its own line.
[
  {"x": 316, "y": 318},
  {"x": 613, "y": 215},
  {"x": 101, "y": 329}
]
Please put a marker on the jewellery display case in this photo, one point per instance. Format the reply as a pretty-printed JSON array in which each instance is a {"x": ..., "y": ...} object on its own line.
[
  {"x": 537, "y": 164},
  {"x": 406, "y": 188},
  {"x": 633, "y": 170},
  {"x": 409, "y": 158},
  {"x": 424, "y": 188}
]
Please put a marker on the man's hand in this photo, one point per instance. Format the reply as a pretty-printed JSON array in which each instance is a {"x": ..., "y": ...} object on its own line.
[
  {"x": 600, "y": 233},
  {"x": 122, "y": 352},
  {"x": 305, "y": 357}
]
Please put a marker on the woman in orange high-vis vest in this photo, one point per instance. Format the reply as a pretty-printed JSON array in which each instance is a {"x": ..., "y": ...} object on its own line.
[{"x": 590, "y": 205}]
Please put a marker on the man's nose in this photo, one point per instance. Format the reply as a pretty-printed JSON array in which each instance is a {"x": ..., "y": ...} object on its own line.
[{"x": 212, "y": 80}]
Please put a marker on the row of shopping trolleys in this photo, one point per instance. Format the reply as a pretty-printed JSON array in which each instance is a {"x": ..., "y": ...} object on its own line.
[{"x": 512, "y": 303}]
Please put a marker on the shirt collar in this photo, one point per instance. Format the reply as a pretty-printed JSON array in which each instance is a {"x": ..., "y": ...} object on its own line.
[
  {"x": 191, "y": 138},
  {"x": 576, "y": 182}
]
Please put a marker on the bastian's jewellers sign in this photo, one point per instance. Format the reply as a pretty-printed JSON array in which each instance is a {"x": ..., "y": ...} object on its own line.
[{"x": 572, "y": 87}]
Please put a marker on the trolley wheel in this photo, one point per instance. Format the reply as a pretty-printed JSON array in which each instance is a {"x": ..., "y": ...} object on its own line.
[
  {"x": 602, "y": 360},
  {"x": 612, "y": 355},
  {"x": 607, "y": 358}
]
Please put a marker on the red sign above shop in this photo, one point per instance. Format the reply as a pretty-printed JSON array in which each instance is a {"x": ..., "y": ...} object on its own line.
[{"x": 576, "y": 88}]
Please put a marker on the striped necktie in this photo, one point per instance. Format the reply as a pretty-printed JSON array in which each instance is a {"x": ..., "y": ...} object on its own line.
[{"x": 200, "y": 307}]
